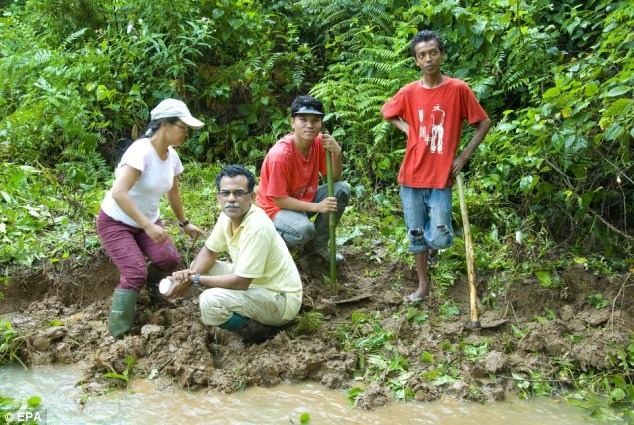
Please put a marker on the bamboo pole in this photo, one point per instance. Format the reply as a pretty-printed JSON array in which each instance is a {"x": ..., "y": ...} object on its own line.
[
  {"x": 332, "y": 224},
  {"x": 475, "y": 322}
]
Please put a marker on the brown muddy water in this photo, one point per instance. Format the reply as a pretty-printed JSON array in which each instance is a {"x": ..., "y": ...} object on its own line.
[{"x": 152, "y": 402}]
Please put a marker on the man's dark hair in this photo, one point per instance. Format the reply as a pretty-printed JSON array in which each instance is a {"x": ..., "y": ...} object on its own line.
[
  {"x": 236, "y": 170},
  {"x": 307, "y": 102},
  {"x": 426, "y": 35}
]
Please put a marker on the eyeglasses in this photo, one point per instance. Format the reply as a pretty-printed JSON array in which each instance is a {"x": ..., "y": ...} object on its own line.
[{"x": 238, "y": 194}]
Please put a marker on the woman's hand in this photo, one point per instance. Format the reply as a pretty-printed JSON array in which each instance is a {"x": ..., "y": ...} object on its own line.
[
  {"x": 193, "y": 231},
  {"x": 156, "y": 233}
]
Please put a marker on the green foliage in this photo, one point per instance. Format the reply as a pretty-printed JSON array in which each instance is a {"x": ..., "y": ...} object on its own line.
[
  {"x": 304, "y": 418},
  {"x": 78, "y": 78},
  {"x": 415, "y": 315},
  {"x": 125, "y": 375},
  {"x": 444, "y": 373},
  {"x": 10, "y": 343},
  {"x": 44, "y": 216},
  {"x": 308, "y": 322},
  {"x": 532, "y": 385},
  {"x": 597, "y": 300},
  {"x": 475, "y": 352},
  {"x": 353, "y": 394},
  {"x": 449, "y": 309},
  {"x": 377, "y": 357},
  {"x": 427, "y": 357}
]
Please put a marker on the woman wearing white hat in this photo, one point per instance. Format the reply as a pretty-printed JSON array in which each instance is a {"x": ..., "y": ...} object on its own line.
[{"x": 129, "y": 225}]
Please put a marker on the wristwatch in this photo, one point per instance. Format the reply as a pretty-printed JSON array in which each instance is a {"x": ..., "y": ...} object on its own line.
[{"x": 196, "y": 281}]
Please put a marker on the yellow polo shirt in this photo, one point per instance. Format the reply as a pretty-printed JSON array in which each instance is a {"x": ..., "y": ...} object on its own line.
[{"x": 258, "y": 252}]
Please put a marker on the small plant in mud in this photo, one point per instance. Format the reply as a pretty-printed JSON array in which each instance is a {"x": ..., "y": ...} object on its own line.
[
  {"x": 23, "y": 411},
  {"x": 4, "y": 284},
  {"x": 449, "y": 309},
  {"x": 303, "y": 419},
  {"x": 445, "y": 272},
  {"x": 474, "y": 352},
  {"x": 123, "y": 377},
  {"x": 353, "y": 394},
  {"x": 393, "y": 368},
  {"x": 426, "y": 357},
  {"x": 241, "y": 380},
  {"x": 548, "y": 316},
  {"x": 532, "y": 385},
  {"x": 444, "y": 373},
  {"x": 308, "y": 322},
  {"x": 415, "y": 315},
  {"x": 519, "y": 333},
  {"x": 363, "y": 334},
  {"x": 475, "y": 393},
  {"x": 377, "y": 356},
  {"x": 548, "y": 279},
  {"x": 10, "y": 343},
  {"x": 597, "y": 300},
  {"x": 609, "y": 396}
]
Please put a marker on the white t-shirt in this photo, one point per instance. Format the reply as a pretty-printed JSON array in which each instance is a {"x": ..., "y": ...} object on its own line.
[{"x": 157, "y": 177}]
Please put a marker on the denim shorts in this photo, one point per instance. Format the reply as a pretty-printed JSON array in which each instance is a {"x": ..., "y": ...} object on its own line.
[{"x": 427, "y": 217}]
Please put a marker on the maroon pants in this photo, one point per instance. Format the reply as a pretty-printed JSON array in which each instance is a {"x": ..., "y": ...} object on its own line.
[{"x": 128, "y": 246}]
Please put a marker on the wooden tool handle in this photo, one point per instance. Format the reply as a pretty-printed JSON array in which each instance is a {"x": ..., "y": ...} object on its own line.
[{"x": 468, "y": 249}]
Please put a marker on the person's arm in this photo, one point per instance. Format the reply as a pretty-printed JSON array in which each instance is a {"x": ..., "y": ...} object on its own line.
[
  {"x": 174, "y": 199},
  {"x": 401, "y": 124},
  {"x": 328, "y": 205},
  {"x": 204, "y": 260},
  {"x": 482, "y": 128},
  {"x": 120, "y": 193},
  {"x": 333, "y": 148}
]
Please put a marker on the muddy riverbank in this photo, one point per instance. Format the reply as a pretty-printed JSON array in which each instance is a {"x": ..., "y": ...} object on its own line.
[{"x": 378, "y": 347}]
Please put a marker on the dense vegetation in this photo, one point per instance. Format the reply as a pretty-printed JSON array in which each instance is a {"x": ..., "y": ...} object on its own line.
[{"x": 78, "y": 77}]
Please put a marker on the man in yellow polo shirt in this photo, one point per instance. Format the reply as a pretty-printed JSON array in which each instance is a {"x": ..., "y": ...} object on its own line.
[{"x": 260, "y": 289}]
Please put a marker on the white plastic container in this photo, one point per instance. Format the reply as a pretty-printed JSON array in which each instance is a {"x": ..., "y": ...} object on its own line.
[{"x": 166, "y": 285}]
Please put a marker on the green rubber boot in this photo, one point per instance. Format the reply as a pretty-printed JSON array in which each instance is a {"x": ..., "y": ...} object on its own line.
[
  {"x": 236, "y": 321},
  {"x": 122, "y": 312},
  {"x": 248, "y": 329}
]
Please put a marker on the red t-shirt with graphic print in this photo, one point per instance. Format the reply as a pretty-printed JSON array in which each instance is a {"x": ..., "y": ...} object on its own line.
[
  {"x": 286, "y": 172},
  {"x": 434, "y": 117}
]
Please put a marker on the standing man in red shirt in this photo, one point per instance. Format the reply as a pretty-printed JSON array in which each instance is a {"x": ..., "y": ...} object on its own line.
[
  {"x": 430, "y": 111},
  {"x": 289, "y": 191}
]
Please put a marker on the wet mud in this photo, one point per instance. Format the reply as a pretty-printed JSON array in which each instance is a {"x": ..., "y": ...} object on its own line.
[{"x": 63, "y": 314}]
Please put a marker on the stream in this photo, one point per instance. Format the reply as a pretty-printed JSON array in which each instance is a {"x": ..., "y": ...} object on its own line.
[{"x": 153, "y": 402}]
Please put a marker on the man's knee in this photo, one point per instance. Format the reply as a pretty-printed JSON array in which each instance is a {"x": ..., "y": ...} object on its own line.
[
  {"x": 212, "y": 310},
  {"x": 442, "y": 237},
  {"x": 301, "y": 234},
  {"x": 417, "y": 240},
  {"x": 342, "y": 193}
]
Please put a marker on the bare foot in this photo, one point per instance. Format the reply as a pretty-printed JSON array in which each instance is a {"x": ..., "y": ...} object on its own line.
[{"x": 418, "y": 295}]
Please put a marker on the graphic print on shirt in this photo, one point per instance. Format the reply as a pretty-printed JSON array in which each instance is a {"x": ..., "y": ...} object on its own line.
[
  {"x": 299, "y": 193},
  {"x": 434, "y": 136}
]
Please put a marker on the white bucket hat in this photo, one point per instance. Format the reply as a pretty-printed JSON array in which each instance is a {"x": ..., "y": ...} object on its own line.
[{"x": 174, "y": 108}]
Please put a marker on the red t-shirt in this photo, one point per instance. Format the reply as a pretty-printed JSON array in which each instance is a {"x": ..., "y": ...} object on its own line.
[
  {"x": 286, "y": 172},
  {"x": 435, "y": 118}
]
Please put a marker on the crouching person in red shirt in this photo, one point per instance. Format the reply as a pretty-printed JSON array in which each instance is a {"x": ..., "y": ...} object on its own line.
[{"x": 289, "y": 192}]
